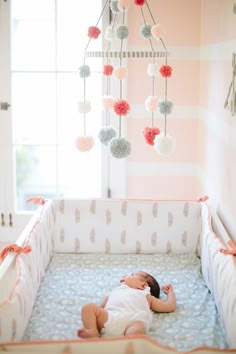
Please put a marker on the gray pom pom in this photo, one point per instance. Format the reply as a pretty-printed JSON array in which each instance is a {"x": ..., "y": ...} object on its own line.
[
  {"x": 84, "y": 71},
  {"x": 122, "y": 32},
  {"x": 146, "y": 31},
  {"x": 114, "y": 8},
  {"x": 106, "y": 134},
  {"x": 165, "y": 107},
  {"x": 120, "y": 148}
]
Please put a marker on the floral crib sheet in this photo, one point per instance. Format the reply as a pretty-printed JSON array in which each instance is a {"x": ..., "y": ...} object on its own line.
[{"x": 72, "y": 280}]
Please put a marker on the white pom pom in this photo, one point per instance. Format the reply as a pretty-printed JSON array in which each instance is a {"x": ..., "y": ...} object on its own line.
[
  {"x": 152, "y": 69},
  {"x": 84, "y": 106},
  {"x": 109, "y": 34},
  {"x": 164, "y": 144}
]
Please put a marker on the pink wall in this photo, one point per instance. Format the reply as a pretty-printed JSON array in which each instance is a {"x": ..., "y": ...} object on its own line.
[
  {"x": 218, "y": 127},
  {"x": 201, "y": 37},
  {"x": 150, "y": 174}
]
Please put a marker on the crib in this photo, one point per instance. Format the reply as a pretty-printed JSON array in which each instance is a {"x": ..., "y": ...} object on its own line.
[{"x": 77, "y": 246}]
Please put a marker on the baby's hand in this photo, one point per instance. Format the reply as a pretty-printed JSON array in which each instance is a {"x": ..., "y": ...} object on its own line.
[{"x": 167, "y": 288}]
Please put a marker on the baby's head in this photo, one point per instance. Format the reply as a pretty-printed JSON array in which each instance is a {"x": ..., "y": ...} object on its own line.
[
  {"x": 140, "y": 280},
  {"x": 153, "y": 284}
]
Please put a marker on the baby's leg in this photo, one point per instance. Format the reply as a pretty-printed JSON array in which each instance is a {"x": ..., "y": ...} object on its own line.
[
  {"x": 134, "y": 328},
  {"x": 93, "y": 318}
]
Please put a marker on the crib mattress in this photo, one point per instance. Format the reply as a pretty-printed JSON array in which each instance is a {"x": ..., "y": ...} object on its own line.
[{"x": 72, "y": 280}]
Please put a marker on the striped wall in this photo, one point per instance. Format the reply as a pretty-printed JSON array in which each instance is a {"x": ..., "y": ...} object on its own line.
[
  {"x": 151, "y": 175},
  {"x": 217, "y": 126},
  {"x": 201, "y": 37}
]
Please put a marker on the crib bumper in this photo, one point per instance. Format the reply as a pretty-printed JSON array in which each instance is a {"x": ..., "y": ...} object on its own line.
[
  {"x": 115, "y": 226},
  {"x": 219, "y": 272},
  {"x": 20, "y": 283},
  {"x": 127, "y": 226}
]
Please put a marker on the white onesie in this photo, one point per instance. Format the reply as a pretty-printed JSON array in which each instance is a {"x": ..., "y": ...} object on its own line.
[{"x": 125, "y": 305}]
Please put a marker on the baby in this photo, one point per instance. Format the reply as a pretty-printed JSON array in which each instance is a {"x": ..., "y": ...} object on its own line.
[{"x": 127, "y": 310}]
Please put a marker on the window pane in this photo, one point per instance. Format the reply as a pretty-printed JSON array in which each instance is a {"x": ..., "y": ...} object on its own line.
[
  {"x": 35, "y": 173},
  {"x": 79, "y": 173},
  {"x": 74, "y": 18},
  {"x": 33, "y": 35},
  {"x": 48, "y": 42},
  {"x": 34, "y": 108},
  {"x": 56, "y": 172}
]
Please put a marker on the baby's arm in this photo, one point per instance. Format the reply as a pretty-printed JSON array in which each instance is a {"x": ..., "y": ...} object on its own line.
[{"x": 159, "y": 305}]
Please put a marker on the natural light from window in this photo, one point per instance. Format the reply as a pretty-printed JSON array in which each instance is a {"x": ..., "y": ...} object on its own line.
[{"x": 48, "y": 42}]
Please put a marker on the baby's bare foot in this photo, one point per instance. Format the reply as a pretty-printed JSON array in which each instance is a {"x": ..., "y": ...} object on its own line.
[{"x": 87, "y": 333}]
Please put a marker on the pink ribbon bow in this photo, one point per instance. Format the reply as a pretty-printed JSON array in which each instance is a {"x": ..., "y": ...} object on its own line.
[{"x": 14, "y": 248}]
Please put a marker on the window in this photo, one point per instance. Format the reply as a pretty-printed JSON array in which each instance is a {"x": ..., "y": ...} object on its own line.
[{"x": 48, "y": 38}]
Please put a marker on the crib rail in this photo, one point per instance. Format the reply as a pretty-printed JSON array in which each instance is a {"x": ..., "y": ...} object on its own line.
[
  {"x": 218, "y": 270},
  {"x": 21, "y": 241},
  {"x": 21, "y": 274},
  {"x": 138, "y": 344},
  {"x": 220, "y": 230}
]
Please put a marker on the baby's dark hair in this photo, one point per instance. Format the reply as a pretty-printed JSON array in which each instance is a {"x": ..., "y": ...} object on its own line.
[{"x": 153, "y": 285}]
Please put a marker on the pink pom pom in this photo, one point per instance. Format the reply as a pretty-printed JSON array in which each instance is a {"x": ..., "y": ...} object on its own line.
[
  {"x": 156, "y": 31},
  {"x": 121, "y": 107},
  {"x": 150, "y": 134},
  {"x": 166, "y": 70},
  {"x": 84, "y": 143},
  {"x": 151, "y": 103},
  {"x": 108, "y": 102},
  {"x": 107, "y": 70},
  {"x": 139, "y": 2},
  {"x": 93, "y": 32},
  {"x": 120, "y": 73}
]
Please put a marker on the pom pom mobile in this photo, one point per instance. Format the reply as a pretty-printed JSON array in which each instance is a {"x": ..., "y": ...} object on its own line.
[{"x": 118, "y": 145}]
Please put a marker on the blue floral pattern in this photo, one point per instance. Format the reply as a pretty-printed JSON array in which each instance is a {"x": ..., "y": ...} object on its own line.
[{"x": 72, "y": 280}]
